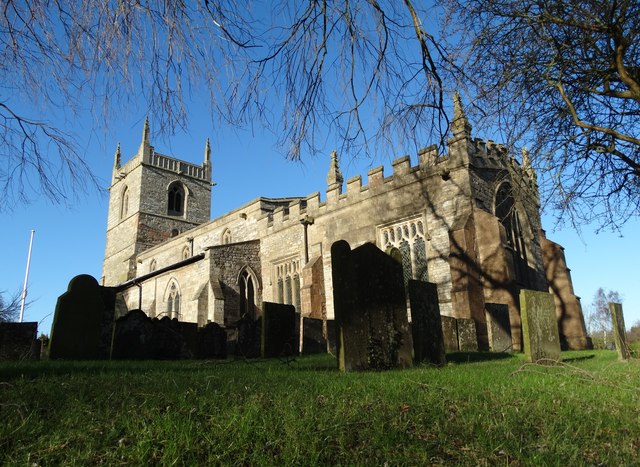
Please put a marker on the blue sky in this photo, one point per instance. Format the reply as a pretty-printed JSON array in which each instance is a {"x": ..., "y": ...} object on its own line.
[{"x": 70, "y": 238}]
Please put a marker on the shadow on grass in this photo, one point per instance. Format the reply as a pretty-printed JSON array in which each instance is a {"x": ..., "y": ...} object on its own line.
[
  {"x": 473, "y": 357},
  {"x": 577, "y": 359}
]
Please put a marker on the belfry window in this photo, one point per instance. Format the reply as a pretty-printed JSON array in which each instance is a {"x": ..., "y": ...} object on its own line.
[{"x": 176, "y": 200}]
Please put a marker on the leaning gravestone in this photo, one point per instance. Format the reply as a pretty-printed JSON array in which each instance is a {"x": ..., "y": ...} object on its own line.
[
  {"x": 467, "y": 337},
  {"x": 278, "y": 337},
  {"x": 370, "y": 309},
  {"x": 78, "y": 321},
  {"x": 619, "y": 332},
  {"x": 498, "y": 327},
  {"x": 539, "y": 326},
  {"x": 426, "y": 325},
  {"x": 450, "y": 333}
]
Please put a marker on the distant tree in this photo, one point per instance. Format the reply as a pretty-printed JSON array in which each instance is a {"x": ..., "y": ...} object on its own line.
[
  {"x": 9, "y": 306},
  {"x": 633, "y": 335},
  {"x": 563, "y": 77},
  {"x": 352, "y": 69},
  {"x": 599, "y": 316}
]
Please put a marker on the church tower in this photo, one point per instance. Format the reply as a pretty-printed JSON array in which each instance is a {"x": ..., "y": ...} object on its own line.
[{"x": 152, "y": 197}]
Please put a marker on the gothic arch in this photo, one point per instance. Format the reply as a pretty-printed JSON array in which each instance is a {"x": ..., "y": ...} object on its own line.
[
  {"x": 177, "y": 195},
  {"x": 248, "y": 287},
  {"x": 172, "y": 299},
  {"x": 225, "y": 239},
  {"x": 124, "y": 202},
  {"x": 518, "y": 234}
]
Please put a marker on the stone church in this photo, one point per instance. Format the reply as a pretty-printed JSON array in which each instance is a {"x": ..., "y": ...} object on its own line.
[{"x": 467, "y": 220}]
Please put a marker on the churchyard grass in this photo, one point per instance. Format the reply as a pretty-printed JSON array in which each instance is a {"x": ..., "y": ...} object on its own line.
[{"x": 478, "y": 410}]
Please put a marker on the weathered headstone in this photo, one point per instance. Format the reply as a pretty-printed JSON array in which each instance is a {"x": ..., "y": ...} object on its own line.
[
  {"x": 313, "y": 340},
  {"x": 539, "y": 326},
  {"x": 498, "y": 327},
  {"x": 467, "y": 337},
  {"x": 212, "y": 341},
  {"x": 426, "y": 325},
  {"x": 78, "y": 321},
  {"x": 619, "y": 331},
  {"x": 450, "y": 333},
  {"x": 133, "y": 337},
  {"x": 248, "y": 337},
  {"x": 278, "y": 330},
  {"x": 370, "y": 309},
  {"x": 18, "y": 341}
]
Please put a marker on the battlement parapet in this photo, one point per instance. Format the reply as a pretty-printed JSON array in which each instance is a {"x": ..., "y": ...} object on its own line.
[
  {"x": 403, "y": 174},
  {"x": 174, "y": 165}
]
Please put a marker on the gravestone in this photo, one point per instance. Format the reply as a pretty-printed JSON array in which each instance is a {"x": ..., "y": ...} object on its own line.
[
  {"x": 313, "y": 340},
  {"x": 18, "y": 341},
  {"x": 498, "y": 327},
  {"x": 467, "y": 338},
  {"x": 619, "y": 331},
  {"x": 539, "y": 326},
  {"x": 78, "y": 321},
  {"x": 370, "y": 309},
  {"x": 248, "y": 332},
  {"x": 332, "y": 336},
  {"x": 188, "y": 333},
  {"x": 450, "y": 333},
  {"x": 278, "y": 330},
  {"x": 212, "y": 341},
  {"x": 426, "y": 325},
  {"x": 133, "y": 337}
]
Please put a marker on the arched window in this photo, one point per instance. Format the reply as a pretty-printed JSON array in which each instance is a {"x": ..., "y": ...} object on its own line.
[
  {"x": 406, "y": 242},
  {"x": 124, "y": 203},
  {"x": 173, "y": 300},
  {"x": 186, "y": 252},
  {"x": 247, "y": 295},
  {"x": 176, "y": 199},
  {"x": 153, "y": 266},
  {"x": 507, "y": 213},
  {"x": 226, "y": 237}
]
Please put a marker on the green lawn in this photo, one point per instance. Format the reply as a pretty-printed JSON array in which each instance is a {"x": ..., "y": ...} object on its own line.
[{"x": 476, "y": 411}]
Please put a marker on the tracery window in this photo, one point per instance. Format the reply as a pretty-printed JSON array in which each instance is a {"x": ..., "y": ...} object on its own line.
[
  {"x": 173, "y": 300},
  {"x": 409, "y": 238},
  {"x": 507, "y": 213},
  {"x": 175, "y": 202},
  {"x": 287, "y": 278},
  {"x": 247, "y": 288}
]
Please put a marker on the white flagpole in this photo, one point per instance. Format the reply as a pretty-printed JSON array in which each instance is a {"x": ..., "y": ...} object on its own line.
[{"x": 26, "y": 278}]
